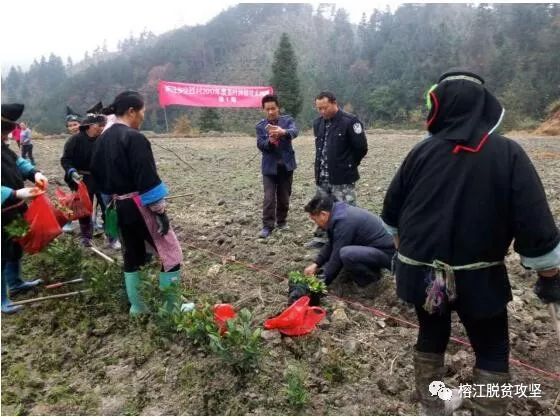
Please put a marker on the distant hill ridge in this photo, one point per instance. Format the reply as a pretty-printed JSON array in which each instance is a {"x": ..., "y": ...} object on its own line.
[{"x": 379, "y": 69}]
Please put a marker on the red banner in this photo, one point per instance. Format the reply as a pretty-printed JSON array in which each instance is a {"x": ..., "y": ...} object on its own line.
[{"x": 208, "y": 95}]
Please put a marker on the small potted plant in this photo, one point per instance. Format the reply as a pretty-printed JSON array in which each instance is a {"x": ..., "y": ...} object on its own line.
[
  {"x": 300, "y": 285},
  {"x": 317, "y": 289}
]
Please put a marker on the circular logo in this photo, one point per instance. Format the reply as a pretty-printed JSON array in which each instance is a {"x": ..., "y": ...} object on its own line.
[
  {"x": 445, "y": 394},
  {"x": 435, "y": 386}
]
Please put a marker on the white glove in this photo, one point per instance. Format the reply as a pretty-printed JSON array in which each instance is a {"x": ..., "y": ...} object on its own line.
[
  {"x": 28, "y": 192},
  {"x": 41, "y": 181}
]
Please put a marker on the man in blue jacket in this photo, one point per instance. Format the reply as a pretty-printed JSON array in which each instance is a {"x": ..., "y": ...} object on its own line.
[
  {"x": 357, "y": 241},
  {"x": 274, "y": 139}
]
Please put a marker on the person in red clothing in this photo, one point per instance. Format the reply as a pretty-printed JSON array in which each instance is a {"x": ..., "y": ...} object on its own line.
[{"x": 16, "y": 134}]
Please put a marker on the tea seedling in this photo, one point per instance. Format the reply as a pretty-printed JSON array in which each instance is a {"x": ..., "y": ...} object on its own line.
[
  {"x": 314, "y": 284},
  {"x": 240, "y": 345},
  {"x": 298, "y": 397}
]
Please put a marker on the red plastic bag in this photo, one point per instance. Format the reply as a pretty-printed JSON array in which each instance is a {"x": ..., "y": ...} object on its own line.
[
  {"x": 293, "y": 316},
  {"x": 298, "y": 319},
  {"x": 77, "y": 202},
  {"x": 313, "y": 316},
  {"x": 43, "y": 225},
  {"x": 223, "y": 313}
]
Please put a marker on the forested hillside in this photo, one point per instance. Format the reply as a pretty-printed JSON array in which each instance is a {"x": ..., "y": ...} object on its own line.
[{"x": 379, "y": 69}]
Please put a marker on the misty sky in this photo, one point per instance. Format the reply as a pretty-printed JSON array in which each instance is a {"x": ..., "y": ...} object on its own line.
[{"x": 70, "y": 28}]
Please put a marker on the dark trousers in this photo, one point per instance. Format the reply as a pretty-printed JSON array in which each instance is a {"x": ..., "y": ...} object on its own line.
[
  {"x": 489, "y": 337},
  {"x": 133, "y": 237},
  {"x": 11, "y": 250},
  {"x": 365, "y": 263},
  {"x": 27, "y": 153},
  {"x": 277, "y": 192}
]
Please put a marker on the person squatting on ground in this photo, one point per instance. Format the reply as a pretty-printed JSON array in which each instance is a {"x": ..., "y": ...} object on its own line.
[
  {"x": 76, "y": 162},
  {"x": 454, "y": 206},
  {"x": 15, "y": 170},
  {"x": 274, "y": 139},
  {"x": 26, "y": 143},
  {"x": 340, "y": 146},
  {"x": 357, "y": 241},
  {"x": 123, "y": 167}
]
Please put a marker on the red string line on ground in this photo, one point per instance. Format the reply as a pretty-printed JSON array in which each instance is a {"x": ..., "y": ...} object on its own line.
[{"x": 377, "y": 312}]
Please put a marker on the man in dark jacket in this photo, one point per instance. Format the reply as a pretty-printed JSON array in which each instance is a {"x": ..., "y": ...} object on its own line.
[
  {"x": 456, "y": 203},
  {"x": 274, "y": 139},
  {"x": 340, "y": 145},
  {"x": 357, "y": 241}
]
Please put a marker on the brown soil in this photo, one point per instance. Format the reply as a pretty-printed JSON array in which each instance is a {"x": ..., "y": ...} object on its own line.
[{"x": 61, "y": 358}]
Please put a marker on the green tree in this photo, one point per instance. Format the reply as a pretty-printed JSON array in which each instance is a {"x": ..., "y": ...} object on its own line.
[
  {"x": 381, "y": 66},
  {"x": 285, "y": 78},
  {"x": 342, "y": 52},
  {"x": 210, "y": 120}
]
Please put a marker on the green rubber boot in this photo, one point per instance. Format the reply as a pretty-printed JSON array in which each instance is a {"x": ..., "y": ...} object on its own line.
[
  {"x": 169, "y": 284},
  {"x": 132, "y": 283}
]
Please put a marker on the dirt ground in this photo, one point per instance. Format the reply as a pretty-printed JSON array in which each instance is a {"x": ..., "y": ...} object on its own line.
[{"x": 59, "y": 357}]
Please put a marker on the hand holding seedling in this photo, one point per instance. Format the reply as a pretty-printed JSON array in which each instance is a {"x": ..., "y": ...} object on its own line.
[{"x": 311, "y": 269}]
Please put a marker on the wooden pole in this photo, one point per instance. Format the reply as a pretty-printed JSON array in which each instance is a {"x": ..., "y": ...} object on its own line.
[
  {"x": 171, "y": 197},
  {"x": 60, "y": 284},
  {"x": 165, "y": 115},
  {"x": 49, "y": 297},
  {"x": 98, "y": 252}
]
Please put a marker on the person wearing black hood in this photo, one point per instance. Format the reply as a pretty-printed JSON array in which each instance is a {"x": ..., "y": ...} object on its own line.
[
  {"x": 76, "y": 162},
  {"x": 15, "y": 170},
  {"x": 454, "y": 206}
]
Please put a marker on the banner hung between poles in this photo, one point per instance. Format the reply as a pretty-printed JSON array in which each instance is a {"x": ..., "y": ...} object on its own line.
[{"x": 208, "y": 95}]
